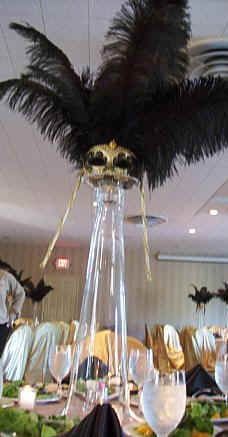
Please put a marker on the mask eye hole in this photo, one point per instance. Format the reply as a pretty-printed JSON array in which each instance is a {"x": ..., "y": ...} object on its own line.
[
  {"x": 123, "y": 161},
  {"x": 97, "y": 159}
]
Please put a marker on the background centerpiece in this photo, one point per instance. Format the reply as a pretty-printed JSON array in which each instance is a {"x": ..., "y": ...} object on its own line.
[
  {"x": 201, "y": 298},
  {"x": 222, "y": 295}
]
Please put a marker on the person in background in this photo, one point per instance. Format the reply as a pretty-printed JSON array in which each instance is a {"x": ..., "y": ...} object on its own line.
[{"x": 10, "y": 290}]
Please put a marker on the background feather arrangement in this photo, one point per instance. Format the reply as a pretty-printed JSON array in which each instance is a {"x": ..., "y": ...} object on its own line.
[
  {"x": 222, "y": 293},
  {"x": 139, "y": 96},
  {"x": 201, "y": 297},
  {"x": 37, "y": 292},
  {"x": 34, "y": 292}
]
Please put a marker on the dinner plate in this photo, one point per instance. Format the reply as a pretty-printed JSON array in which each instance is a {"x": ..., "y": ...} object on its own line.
[
  {"x": 129, "y": 430},
  {"x": 7, "y": 402},
  {"x": 205, "y": 398},
  {"x": 53, "y": 398},
  {"x": 220, "y": 421},
  {"x": 10, "y": 402}
]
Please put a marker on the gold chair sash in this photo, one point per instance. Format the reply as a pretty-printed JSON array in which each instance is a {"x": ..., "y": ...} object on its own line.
[
  {"x": 173, "y": 348},
  {"x": 189, "y": 347}
]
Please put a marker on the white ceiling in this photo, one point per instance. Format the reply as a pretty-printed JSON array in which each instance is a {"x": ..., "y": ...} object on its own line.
[{"x": 35, "y": 182}]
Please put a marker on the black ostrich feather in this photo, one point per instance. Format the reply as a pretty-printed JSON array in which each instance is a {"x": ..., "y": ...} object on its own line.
[
  {"x": 34, "y": 292},
  {"x": 147, "y": 39},
  {"x": 37, "y": 292},
  {"x": 201, "y": 297},
  {"x": 6, "y": 266},
  {"x": 138, "y": 97},
  {"x": 184, "y": 123},
  {"x": 47, "y": 56},
  {"x": 25, "y": 282},
  {"x": 222, "y": 293}
]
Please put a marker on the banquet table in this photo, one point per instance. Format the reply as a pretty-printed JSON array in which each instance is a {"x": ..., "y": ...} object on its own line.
[
  {"x": 56, "y": 408},
  {"x": 77, "y": 404},
  {"x": 76, "y": 409}
]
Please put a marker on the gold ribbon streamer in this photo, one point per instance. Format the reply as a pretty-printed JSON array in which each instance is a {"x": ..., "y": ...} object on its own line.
[
  {"x": 62, "y": 221},
  {"x": 145, "y": 234}
]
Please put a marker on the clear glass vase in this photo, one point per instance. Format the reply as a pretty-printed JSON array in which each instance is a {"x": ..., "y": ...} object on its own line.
[
  {"x": 200, "y": 317},
  {"x": 100, "y": 356},
  {"x": 35, "y": 314}
]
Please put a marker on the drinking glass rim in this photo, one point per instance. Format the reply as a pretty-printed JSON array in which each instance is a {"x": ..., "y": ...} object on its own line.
[
  {"x": 157, "y": 375},
  {"x": 28, "y": 387}
]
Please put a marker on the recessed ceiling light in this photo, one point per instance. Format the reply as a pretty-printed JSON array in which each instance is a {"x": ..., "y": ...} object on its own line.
[
  {"x": 94, "y": 203},
  {"x": 151, "y": 220},
  {"x": 213, "y": 212},
  {"x": 192, "y": 230}
]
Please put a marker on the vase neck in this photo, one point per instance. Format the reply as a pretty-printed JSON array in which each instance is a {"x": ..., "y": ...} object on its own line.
[{"x": 110, "y": 196}]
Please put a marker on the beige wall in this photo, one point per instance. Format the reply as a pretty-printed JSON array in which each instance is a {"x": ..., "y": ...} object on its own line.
[{"x": 165, "y": 300}]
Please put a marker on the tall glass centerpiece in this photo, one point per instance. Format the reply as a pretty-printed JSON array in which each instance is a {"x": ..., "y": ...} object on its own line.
[{"x": 100, "y": 355}]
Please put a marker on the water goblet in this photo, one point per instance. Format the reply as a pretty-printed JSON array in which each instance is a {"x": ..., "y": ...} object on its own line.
[
  {"x": 60, "y": 364},
  {"x": 164, "y": 401},
  {"x": 140, "y": 365},
  {"x": 221, "y": 368},
  {"x": 140, "y": 368}
]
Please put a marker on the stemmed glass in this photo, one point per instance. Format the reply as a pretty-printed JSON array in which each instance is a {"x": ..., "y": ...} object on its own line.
[
  {"x": 164, "y": 401},
  {"x": 221, "y": 368},
  {"x": 140, "y": 365},
  {"x": 140, "y": 368},
  {"x": 60, "y": 364}
]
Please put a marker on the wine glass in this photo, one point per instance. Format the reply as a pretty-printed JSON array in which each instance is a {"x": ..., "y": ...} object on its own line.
[
  {"x": 140, "y": 365},
  {"x": 140, "y": 368},
  {"x": 60, "y": 364},
  {"x": 164, "y": 401},
  {"x": 221, "y": 368}
]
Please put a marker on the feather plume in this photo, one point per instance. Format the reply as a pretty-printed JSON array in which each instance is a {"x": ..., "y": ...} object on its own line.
[
  {"x": 25, "y": 283},
  {"x": 201, "y": 297},
  {"x": 37, "y": 292},
  {"x": 41, "y": 105},
  {"x": 222, "y": 293},
  {"x": 139, "y": 97},
  {"x": 48, "y": 60},
  {"x": 146, "y": 41},
  {"x": 46, "y": 55},
  {"x": 184, "y": 123},
  {"x": 34, "y": 292}
]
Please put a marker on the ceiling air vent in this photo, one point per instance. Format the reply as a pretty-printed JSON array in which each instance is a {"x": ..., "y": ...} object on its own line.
[
  {"x": 208, "y": 57},
  {"x": 151, "y": 220}
]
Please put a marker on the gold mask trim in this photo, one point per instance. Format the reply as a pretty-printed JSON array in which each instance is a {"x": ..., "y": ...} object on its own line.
[{"x": 110, "y": 162}]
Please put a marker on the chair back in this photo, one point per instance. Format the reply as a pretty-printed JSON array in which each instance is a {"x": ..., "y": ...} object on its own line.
[
  {"x": 190, "y": 347},
  {"x": 16, "y": 353},
  {"x": 23, "y": 321},
  {"x": 63, "y": 328},
  {"x": 148, "y": 337},
  {"x": 47, "y": 335},
  {"x": 173, "y": 348},
  {"x": 207, "y": 348},
  {"x": 161, "y": 361}
]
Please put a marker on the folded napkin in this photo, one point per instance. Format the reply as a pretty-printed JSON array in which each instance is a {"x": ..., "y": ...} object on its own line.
[
  {"x": 101, "y": 422},
  {"x": 199, "y": 381}
]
